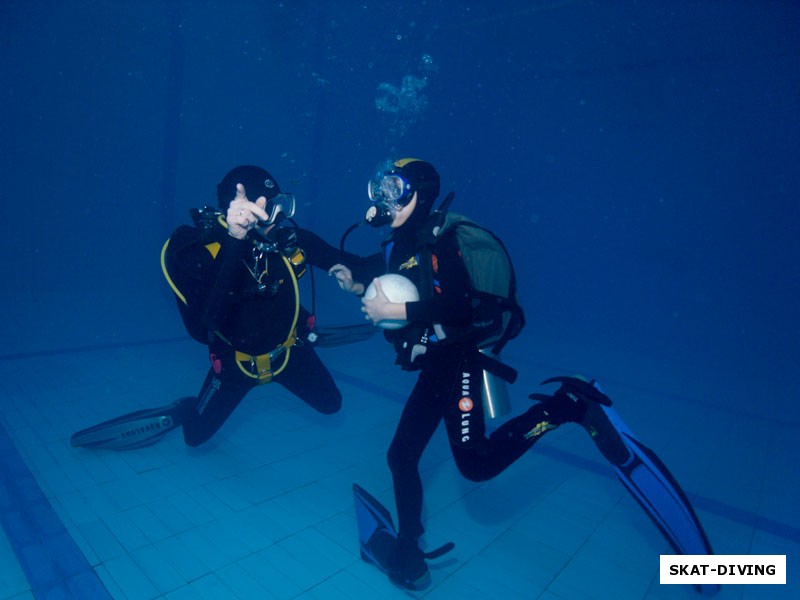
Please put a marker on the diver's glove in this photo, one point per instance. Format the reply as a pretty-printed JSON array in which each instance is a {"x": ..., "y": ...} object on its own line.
[{"x": 570, "y": 401}]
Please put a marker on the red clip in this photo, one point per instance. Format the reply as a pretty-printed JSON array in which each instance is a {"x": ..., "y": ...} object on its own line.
[{"x": 216, "y": 363}]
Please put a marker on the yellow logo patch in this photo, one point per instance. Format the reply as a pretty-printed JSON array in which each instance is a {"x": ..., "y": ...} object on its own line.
[
  {"x": 540, "y": 429},
  {"x": 409, "y": 264}
]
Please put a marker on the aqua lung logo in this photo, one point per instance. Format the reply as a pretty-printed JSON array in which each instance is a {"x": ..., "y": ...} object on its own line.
[
  {"x": 154, "y": 425},
  {"x": 465, "y": 405}
]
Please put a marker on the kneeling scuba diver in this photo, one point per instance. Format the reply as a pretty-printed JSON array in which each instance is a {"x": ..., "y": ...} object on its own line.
[{"x": 234, "y": 274}]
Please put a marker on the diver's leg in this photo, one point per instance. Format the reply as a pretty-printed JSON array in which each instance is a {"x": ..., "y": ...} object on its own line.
[
  {"x": 223, "y": 389},
  {"x": 307, "y": 378},
  {"x": 418, "y": 421},
  {"x": 582, "y": 402},
  {"x": 480, "y": 458}
]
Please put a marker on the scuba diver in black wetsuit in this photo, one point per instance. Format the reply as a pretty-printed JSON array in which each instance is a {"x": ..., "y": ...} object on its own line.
[
  {"x": 234, "y": 274},
  {"x": 442, "y": 340},
  {"x": 439, "y": 343}
]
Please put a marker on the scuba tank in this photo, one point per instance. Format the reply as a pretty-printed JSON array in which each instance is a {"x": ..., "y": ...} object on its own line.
[{"x": 496, "y": 400}]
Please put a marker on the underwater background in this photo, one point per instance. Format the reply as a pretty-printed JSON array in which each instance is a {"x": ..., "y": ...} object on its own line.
[{"x": 639, "y": 159}]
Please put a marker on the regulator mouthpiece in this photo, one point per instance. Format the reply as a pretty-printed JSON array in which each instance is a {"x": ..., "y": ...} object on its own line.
[{"x": 379, "y": 215}]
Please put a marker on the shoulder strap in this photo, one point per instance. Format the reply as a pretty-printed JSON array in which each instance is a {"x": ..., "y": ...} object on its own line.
[
  {"x": 487, "y": 259},
  {"x": 428, "y": 235}
]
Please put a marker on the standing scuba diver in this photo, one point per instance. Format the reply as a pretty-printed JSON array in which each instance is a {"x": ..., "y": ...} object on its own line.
[
  {"x": 235, "y": 277},
  {"x": 447, "y": 328}
]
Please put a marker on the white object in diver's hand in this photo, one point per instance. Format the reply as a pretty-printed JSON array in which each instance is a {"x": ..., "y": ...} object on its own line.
[{"x": 397, "y": 289}]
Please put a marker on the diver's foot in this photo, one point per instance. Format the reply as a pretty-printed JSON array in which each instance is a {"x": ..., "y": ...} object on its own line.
[
  {"x": 407, "y": 566},
  {"x": 588, "y": 402},
  {"x": 183, "y": 408},
  {"x": 570, "y": 402}
]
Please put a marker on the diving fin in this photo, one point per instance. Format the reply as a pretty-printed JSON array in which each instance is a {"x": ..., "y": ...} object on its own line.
[
  {"x": 133, "y": 430},
  {"x": 657, "y": 491},
  {"x": 327, "y": 337},
  {"x": 376, "y": 533},
  {"x": 641, "y": 471},
  {"x": 378, "y": 537}
]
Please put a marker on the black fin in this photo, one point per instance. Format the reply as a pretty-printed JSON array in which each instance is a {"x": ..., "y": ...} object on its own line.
[
  {"x": 587, "y": 389},
  {"x": 133, "y": 430},
  {"x": 328, "y": 337},
  {"x": 440, "y": 551}
]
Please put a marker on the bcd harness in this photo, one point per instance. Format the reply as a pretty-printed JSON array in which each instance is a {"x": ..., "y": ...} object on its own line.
[
  {"x": 497, "y": 316},
  {"x": 261, "y": 366}
]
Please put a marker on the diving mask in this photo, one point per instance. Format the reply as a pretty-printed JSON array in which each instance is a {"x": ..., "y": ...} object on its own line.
[
  {"x": 278, "y": 208},
  {"x": 389, "y": 192},
  {"x": 390, "y": 189}
]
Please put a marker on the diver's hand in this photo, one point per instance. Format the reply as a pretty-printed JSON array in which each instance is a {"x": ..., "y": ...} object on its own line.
[
  {"x": 380, "y": 307},
  {"x": 243, "y": 215},
  {"x": 344, "y": 277}
]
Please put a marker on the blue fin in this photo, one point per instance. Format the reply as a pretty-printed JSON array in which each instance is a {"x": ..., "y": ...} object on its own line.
[
  {"x": 376, "y": 532},
  {"x": 133, "y": 430},
  {"x": 653, "y": 486}
]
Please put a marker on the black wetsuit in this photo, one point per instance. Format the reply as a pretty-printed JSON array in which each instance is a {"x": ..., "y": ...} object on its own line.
[
  {"x": 449, "y": 386},
  {"x": 235, "y": 298}
]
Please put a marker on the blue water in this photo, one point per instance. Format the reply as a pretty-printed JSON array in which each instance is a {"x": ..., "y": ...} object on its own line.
[{"x": 638, "y": 158}]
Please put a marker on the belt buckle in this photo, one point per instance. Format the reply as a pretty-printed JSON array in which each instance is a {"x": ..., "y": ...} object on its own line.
[{"x": 277, "y": 352}]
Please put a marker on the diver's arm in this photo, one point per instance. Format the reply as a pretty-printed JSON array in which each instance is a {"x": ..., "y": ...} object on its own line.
[
  {"x": 242, "y": 217},
  {"x": 369, "y": 267},
  {"x": 349, "y": 269},
  {"x": 344, "y": 277},
  {"x": 203, "y": 272},
  {"x": 224, "y": 281},
  {"x": 353, "y": 279},
  {"x": 451, "y": 304},
  {"x": 379, "y": 307},
  {"x": 323, "y": 255}
]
